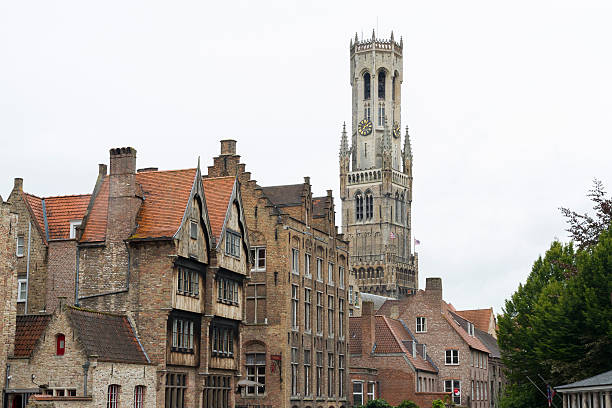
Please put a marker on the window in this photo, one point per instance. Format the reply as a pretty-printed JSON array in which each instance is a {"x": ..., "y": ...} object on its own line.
[
  {"x": 259, "y": 259},
  {"x": 222, "y": 344},
  {"x": 366, "y": 85},
  {"x": 182, "y": 335},
  {"x": 256, "y": 303},
  {"x": 369, "y": 205},
  {"x": 473, "y": 396},
  {"x": 20, "y": 245},
  {"x": 60, "y": 344},
  {"x": 22, "y": 290},
  {"x": 113, "y": 396},
  {"x": 294, "y": 371},
  {"x": 367, "y": 111},
  {"x": 319, "y": 269},
  {"x": 381, "y": 114},
  {"x": 294, "y": 306},
  {"x": 358, "y": 393},
  {"x": 350, "y": 294},
  {"x": 421, "y": 324},
  {"x": 452, "y": 357},
  {"x": 295, "y": 261},
  {"x": 217, "y": 389},
  {"x": 73, "y": 228},
  {"x": 307, "y": 265},
  {"x": 341, "y": 318},
  {"x": 330, "y": 273},
  {"x": 307, "y": 309},
  {"x": 358, "y": 207},
  {"x": 330, "y": 316},
  {"x": 256, "y": 371},
  {"x": 193, "y": 230},
  {"x": 232, "y": 243},
  {"x": 319, "y": 373},
  {"x": 341, "y": 277},
  {"x": 341, "y": 375},
  {"x": 139, "y": 393},
  {"x": 371, "y": 391},
  {"x": 331, "y": 390},
  {"x": 319, "y": 313},
  {"x": 227, "y": 290},
  {"x": 307, "y": 372},
  {"x": 382, "y": 76},
  {"x": 478, "y": 390},
  {"x": 176, "y": 384},
  {"x": 470, "y": 329},
  {"x": 188, "y": 282},
  {"x": 453, "y": 386}
]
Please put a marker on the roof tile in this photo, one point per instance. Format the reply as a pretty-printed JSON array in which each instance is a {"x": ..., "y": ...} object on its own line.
[
  {"x": 28, "y": 330},
  {"x": 61, "y": 210},
  {"x": 218, "y": 191}
]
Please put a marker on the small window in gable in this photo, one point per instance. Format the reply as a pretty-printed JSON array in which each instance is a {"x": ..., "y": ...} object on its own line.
[
  {"x": 20, "y": 245},
  {"x": 193, "y": 231},
  {"x": 232, "y": 243},
  {"x": 73, "y": 227},
  {"x": 60, "y": 342}
]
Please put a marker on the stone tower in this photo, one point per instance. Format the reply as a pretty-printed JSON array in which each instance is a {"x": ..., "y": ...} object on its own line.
[{"x": 376, "y": 173}]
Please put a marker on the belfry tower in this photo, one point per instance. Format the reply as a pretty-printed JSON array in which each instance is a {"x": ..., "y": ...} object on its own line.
[{"x": 376, "y": 173}]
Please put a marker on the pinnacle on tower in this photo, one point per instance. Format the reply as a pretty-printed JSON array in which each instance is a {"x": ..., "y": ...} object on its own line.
[
  {"x": 391, "y": 36},
  {"x": 344, "y": 149},
  {"x": 387, "y": 137},
  {"x": 373, "y": 35},
  {"x": 407, "y": 147}
]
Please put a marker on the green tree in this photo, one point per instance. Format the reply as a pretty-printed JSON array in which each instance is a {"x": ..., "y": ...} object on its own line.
[
  {"x": 437, "y": 404},
  {"x": 377, "y": 403}
]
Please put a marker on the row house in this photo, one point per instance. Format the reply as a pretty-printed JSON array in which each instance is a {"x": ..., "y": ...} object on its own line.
[
  {"x": 460, "y": 356},
  {"x": 295, "y": 339},
  {"x": 387, "y": 362}
]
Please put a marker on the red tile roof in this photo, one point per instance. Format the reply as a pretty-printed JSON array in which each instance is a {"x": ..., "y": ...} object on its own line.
[
  {"x": 61, "y": 210},
  {"x": 355, "y": 334},
  {"x": 473, "y": 342},
  {"x": 218, "y": 191},
  {"x": 28, "y": 330},
  {"x": 480, "y": 317}
]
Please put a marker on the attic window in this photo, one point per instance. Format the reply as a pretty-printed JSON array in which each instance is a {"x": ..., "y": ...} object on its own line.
[
  {"x": 232, "y": 244},
  {"x": 193, "y": 231},
  {"x": 20, "y": 245},
  {"x": 470, "y": 330},
  {"x": 60, "y": 342},
  {"x": 73, "y": 226}
]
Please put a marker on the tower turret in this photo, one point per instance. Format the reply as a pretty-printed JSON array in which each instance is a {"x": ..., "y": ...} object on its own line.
[{"x": 345, "y": 157}]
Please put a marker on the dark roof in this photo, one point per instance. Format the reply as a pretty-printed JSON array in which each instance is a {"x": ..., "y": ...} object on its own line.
[
  {"x": 472, "y": 341},
  {"x": 489, "y": 341},
  {"x": 109, "y": 336},
  {"x": 321, "y": 206},
  {"x": 28, "y": 330},
  {"x": 377, "y": 300},
  {"x": 596, "y": 381},
  {"x": 285, "y": 196}
]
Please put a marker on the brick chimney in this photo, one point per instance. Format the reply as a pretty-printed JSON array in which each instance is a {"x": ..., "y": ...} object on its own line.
[
  {"x": 228, "y": 147},
  {"x": 123, "y": 202},
  {"x": 368, "y": 328},
  {"x": 18, "y": 185},
  {"x": 433, "y": 287},
  {"x": 228, "y": 162}
]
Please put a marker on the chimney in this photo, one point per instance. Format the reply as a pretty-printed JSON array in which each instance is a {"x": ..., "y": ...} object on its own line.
[
  {"x": 368, "y": 328},
  {"x": 433, "y": 287},
  {"x": 123, "y": 204},
  {"x": 329, "y": 193},
  {"x": 18, "y": 184},
  {"x": 306, "y": 180},
  {"x": 228, "y": 147}
]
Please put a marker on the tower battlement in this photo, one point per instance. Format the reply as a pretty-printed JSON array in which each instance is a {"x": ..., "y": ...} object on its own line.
[{"x": 377, "y": 44}]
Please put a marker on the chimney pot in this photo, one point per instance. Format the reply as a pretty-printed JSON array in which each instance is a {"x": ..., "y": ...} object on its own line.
[
  {"x": 306, "y": 180},
  {"x": 228, "y": 147},
  {"x": 123, "y": 160},
  {"x": 147, "y": 169},
  {"x": 329, "y": 193},
  {"x": 18, "y": 183}
]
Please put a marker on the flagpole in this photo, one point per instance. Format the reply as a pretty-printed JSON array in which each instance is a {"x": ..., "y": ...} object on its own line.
[
  {"x": 548, "y": 384},
  {"x": 541, "y": 392}
]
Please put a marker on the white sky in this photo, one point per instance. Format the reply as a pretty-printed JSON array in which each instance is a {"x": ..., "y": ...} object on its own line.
[{"x": 508, "y": 105}]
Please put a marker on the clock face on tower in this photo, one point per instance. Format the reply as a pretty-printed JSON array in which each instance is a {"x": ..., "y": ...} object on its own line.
[
  {"x": 365, "y": 127},
  {"x": 396, "y": 130}
]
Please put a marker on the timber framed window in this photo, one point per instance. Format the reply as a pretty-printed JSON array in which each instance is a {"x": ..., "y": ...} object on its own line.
[
  {"x": 371, "y": 390},
  {"x": 256, "y": 371},
  {"x": 232, "y": 243},
  {"x": 73, "y": 228},
  {"x": 358, "y": 393},
  {"x": 176, "y": 385},
  {"x": 217, "y": 389},
  {"x": 22, "y": 290},
  {"x": 193, "y": 230},
  {"x": 188, "y": 282},
  {"x": 222, "y": 344},
  {"x": 227, "y": 290},
  {"x": 182, "y": 335},
  {"x": 454, "y": 387}
]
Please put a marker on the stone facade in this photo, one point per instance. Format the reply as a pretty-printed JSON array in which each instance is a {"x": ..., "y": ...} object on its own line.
[
  {"x": 376, "y": 174},
  {"x": 282, "y": 347}
]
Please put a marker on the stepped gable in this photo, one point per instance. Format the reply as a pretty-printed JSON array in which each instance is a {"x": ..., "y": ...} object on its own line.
[
  {"x": 218, "y": 191},
  {"x": 109, "y": 336},
  {"x": 320, "y": 206},
  {"x": 28, "y": 330}
]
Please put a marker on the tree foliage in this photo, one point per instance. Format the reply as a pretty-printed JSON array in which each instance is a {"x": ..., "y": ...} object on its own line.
[
  {"x": 438, "y": 404},
  {"x": 407, "y": 404},
  {"x": 558, "y": 325},
  {"x": 377, "y": 403}
]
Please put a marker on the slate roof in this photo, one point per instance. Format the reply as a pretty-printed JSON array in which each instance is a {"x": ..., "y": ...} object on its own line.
[
  {"x": 489, "y": 341},
  {"x": 218, "y": 191},
  {"x": 285, "y": 196},
  {"x": 28, "y": 330},
  {"x": 472, "y": 341},
  {"x": 166, "y": 195},
  {"x": 480, "y": 317},
  {"x": 599, "y": 380},
  {"x": 376, "y": 299},
  {"x": 109, "y": 336},
  {"x": 320, "y": 206}
]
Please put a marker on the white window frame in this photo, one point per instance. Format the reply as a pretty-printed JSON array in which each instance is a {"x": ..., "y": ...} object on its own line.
[
  {"x": 451, "y": 357},
  {"x": 255, "y": 252},
  {"x": 360, "y": 384},
  {"x": 330, "y": 273},
  {"x": 307, "y": 258},
  {"x": 22, "y": 283},
  {"x": 139, "y": 396},
  {"x": 73, "y": 225},
  {"x": 372, "y": 394},
  {"x": 295, "y": 261},
  {"x": 20, "y": 249},
  {"x": 295, "y": 302},
  {"x": 421, "y": 324},
  {"x": 320, "y": 269},
  {"x": 456, "y": 399},
  {"x": 113, "y": 395},
  {"x": 341, "y": 277},
  {"x": 255, "y": 371}
]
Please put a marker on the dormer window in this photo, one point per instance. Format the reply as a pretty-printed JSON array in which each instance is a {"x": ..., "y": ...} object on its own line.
[
  {"x": 470, "y": 330},
  {"x": 193, "y": 230},
  {"x": 60, "y": 343},
  {"x": 73, "y": 227}
]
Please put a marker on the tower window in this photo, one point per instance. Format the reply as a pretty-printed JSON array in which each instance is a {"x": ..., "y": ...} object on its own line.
[
  {"x": 359, "y": 207},
  {"x": 369, "y": 206},
  {"x": 381, "y": 114},
  {"x": 367, "y": 111},
  {"x": 382, "y": 75},
  {"x": 366, "y": 85}
]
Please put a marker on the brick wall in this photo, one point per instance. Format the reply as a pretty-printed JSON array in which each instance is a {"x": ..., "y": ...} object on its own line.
[
  {"x": 8, "y": 284},
  {"x": 60, "y": 273}
]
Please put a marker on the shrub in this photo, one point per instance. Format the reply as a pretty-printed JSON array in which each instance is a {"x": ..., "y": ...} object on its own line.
[
  {"x": 438, "y": 404},
  {"x": 377, "y": 403},
  {"x": 407, "y": 404}
]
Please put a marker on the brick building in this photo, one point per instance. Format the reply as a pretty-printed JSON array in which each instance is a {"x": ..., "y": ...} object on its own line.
[
  {"x": 149, "y": 247},
  {"x": 295, "y": 338},
  {"x": 387, "y": 362},
  {"x": 78, "y": 358},
  {"x": 461, "y": 358}
]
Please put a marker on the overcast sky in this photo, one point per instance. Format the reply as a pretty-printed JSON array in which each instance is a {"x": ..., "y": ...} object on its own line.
[{"x": 508, "y": 105}]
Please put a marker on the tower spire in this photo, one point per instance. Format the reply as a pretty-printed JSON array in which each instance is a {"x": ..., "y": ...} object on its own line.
[
  {"x": 344, "y": 149},
  {"x": 407, "y": 147}
]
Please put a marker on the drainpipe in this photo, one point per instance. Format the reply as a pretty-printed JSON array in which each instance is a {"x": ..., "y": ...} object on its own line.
[
  {"x": 85, "y": 370},
  {"x": 76, "y": 277},
  {"x": 28, "y": 268}
]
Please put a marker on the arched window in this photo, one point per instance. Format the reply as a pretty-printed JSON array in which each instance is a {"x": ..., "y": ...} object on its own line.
[
  {"x": 256, "y": 368},
  {"x": 113, "y": 396},
  {"x": 381, "y": 114},
  {"x": 393, "y": 87},
  {"x": 60, "y": 344},
  {"x": 397, "y": 207},
  {"x": 358, "y": 207},
  {"x": 139, "y": 394},
  {"x": 382, "y": 76},
  {"x": 403, "y": 208},
  {"x": 366, "y": 85},
  {"x": 369, "y": 205}
]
